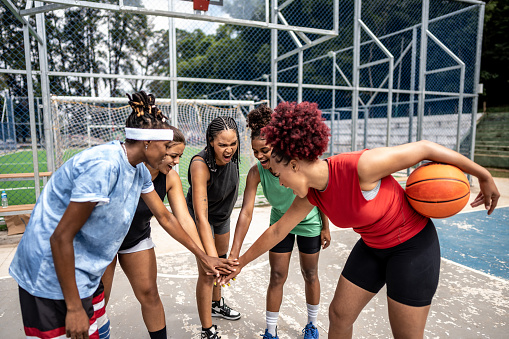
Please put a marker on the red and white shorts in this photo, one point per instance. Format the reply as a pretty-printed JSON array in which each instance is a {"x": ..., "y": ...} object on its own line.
[{"x": 45, "y": 318}]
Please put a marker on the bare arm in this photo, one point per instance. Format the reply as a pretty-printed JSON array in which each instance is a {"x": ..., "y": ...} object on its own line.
[
  {"x": 178, "y": 206},
  {"x": 246, "y": 213},
  {"x": 200, "y": 176},
  {"x": 380, "y": 162},
  {"x": 299, "y": 209},
  {"x": 325, "y": 233},
  {"x": 173, "y": 228},
  {"x": 75, "y": 216}
]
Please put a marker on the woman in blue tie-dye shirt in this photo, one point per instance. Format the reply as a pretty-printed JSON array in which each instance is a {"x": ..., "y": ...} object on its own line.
[{"x": 80, "y": 221}]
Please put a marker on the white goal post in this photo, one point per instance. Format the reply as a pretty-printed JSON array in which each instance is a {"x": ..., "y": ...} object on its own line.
[{"x": 83, "y": 122}]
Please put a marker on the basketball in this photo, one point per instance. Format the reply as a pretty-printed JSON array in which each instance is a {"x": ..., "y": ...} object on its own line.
[{"x": 437, "y": 190}]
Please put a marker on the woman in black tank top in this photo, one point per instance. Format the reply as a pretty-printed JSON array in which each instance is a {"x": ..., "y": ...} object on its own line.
[
  {"x": 214, "y": 182},
  {"x": 137, "y": 257}
]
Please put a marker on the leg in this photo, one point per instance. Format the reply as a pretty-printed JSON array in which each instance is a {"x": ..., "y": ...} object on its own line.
[
  {"x": 407, "y": 321},
  {"x": 362, "y": 277},
  {"x": 107, "y": 279},
  {"x": 309, "y": 252},
  {"x": 412, "y": 279},
  {"x": 309, "y": 269},
  {"x": 222, "y": 242},
  {"x": 141, "y": 270},
  {"x": 279, "y": 259},
  {"x": 279, "y": 263},
  {"x": 204, "y": 287},
  {"x": 349, "y": 300},
  {"x": 219, "y": 307}
]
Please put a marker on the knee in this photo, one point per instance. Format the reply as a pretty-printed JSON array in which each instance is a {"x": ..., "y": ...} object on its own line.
[
  {"x": 339, "y": 318},
  {"x": 149, "y": 296},
  {"x": 310, "y": 275},
  {"x": 277, "y": 278},
  {"x": 204, "y": 279}
]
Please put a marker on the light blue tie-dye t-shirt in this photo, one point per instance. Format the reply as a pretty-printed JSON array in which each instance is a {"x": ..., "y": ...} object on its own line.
[{"x": 100, "y": 174}]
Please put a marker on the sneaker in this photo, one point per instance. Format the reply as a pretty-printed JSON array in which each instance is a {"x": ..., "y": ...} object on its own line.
[
  {"x": 267, "y": 335},
  {"x": 310, "y": 332},
  {"x": 211, "y": 333},
  {"x": 220, "y": 309}
]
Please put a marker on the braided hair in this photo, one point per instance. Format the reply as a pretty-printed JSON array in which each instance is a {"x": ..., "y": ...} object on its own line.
[
  {"x": 258, "y": 119},
  {"x": 216, "y": 126},
  {"x": 146, "y": 114}
]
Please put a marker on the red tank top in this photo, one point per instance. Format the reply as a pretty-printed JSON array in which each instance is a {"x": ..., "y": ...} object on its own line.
[{"x": 384, "y": 222}]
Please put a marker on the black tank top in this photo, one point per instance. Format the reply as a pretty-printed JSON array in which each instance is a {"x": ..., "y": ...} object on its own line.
[
  {"x": 140, "y": 226},
  {"x": 222, "y": 191}
]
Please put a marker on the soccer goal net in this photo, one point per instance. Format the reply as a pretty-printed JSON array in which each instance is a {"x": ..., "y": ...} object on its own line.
[{"x": 84, "y": 122}]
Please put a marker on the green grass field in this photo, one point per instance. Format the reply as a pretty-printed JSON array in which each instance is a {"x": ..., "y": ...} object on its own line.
[{"x": 23, "y": 191}]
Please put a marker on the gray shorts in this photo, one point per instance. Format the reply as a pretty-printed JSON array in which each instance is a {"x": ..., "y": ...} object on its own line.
[
  {"x": 221, "y": 228},
  {"x": 216, "y": 228}
]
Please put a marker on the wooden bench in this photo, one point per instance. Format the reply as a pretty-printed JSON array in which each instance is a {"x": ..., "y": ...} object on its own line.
[{"x": 21, "y": 209}]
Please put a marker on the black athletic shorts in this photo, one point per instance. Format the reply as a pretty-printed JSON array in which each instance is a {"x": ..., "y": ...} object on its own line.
[
  {"x": 307, "y": 245},
  {"x": 410, "y": 269},
  {"x": 45, "y": 318}
]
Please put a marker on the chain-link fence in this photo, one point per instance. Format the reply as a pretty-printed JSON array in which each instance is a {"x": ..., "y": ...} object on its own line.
[{"x": 383, "y": 72}]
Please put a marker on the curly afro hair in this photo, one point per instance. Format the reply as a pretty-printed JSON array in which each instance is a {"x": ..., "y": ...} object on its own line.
[
  {"x": 297, "y": 131},
  {"x": 258, "y": 119}
]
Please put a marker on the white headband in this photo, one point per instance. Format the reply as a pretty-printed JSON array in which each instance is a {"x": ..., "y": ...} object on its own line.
[{"x": 148, "y": 134}]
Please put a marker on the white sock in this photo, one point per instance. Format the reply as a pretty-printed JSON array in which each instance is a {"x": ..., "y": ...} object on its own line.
[
  {"x": 312, "y": 313},
  {"x": 271, "y": 319}
]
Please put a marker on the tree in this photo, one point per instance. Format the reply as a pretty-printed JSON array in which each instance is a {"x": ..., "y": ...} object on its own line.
[
  {"x": 128, "y": 47},
  {"x": 495, "y": 55}
]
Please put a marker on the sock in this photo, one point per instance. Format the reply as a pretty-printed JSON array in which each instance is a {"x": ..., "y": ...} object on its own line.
[
  {"x": 312, "y": 313},
  {"x": 211, "y": 329},
  {"x": 104, "y": 330},
  {"x": 161, "y": 334},
  {"x": 271, "y": 319}
]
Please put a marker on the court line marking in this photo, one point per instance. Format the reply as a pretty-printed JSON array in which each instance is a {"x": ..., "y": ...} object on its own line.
[
  {"x": 195, "y": 276},
  {"x": 505, "y": 281},
  {"x": 264, "y": 263},
  {"x": 479, "y": 210}
]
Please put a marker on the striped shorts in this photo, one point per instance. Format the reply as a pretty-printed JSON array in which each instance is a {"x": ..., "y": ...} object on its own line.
[{"x": 45, "y": 318}]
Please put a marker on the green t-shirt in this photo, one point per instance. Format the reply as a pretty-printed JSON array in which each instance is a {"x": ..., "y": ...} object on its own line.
[{"x": 281, "y": 198}]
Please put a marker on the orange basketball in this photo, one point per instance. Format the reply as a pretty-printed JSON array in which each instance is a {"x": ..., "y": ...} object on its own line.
[{"x": 437, "y": 190}]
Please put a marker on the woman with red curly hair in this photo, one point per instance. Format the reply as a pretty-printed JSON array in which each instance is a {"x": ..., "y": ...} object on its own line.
[{"x": 398, "y": 247}]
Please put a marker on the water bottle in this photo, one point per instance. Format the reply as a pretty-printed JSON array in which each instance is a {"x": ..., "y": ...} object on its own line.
[{"x": 4, "y": 200}]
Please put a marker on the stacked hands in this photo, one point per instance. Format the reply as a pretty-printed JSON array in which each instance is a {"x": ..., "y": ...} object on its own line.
[
  {"x": 228, "y": 269},
  {"x": 219, "y": 267}
]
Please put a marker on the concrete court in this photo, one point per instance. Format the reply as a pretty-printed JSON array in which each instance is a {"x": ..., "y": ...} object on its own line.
[{"x": 468, "y": 303}]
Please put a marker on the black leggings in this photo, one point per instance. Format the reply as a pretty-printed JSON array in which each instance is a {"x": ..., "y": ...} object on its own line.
[{"x": 410, "y": 269}]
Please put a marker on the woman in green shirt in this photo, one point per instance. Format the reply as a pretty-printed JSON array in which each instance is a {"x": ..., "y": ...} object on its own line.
[{"x": 312, "y": 232}]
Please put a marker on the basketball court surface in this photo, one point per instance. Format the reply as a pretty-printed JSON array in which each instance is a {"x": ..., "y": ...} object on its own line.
[{"x": 472, "y": 300}]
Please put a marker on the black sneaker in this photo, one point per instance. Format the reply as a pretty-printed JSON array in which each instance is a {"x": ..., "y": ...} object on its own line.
[
  {"x": 211, "y": 333},
  {"x": 220, "y": 309}
]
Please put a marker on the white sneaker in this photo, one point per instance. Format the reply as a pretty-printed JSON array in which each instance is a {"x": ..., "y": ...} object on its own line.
[
  {"x": 220, "y": 309},
  {"x": 211, "y": 333}
]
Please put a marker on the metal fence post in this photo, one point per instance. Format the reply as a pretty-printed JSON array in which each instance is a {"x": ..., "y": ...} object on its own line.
[
  {"x": 422, "y": 67},
  {"x": 333, "y": 109},
  {"x": 172, "y": 43},
  {"x": 355, "y": 70},
  {"x": 273, "y": 53},
  {"x": 45, "y": 91},
  {"x": 31, "y": 107},
  {"x": 412, "y": 88},
  {"x": 460, "y": 107},
  {"x": 300, "y": 75},
  {"x": 473, "y": 126}
]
